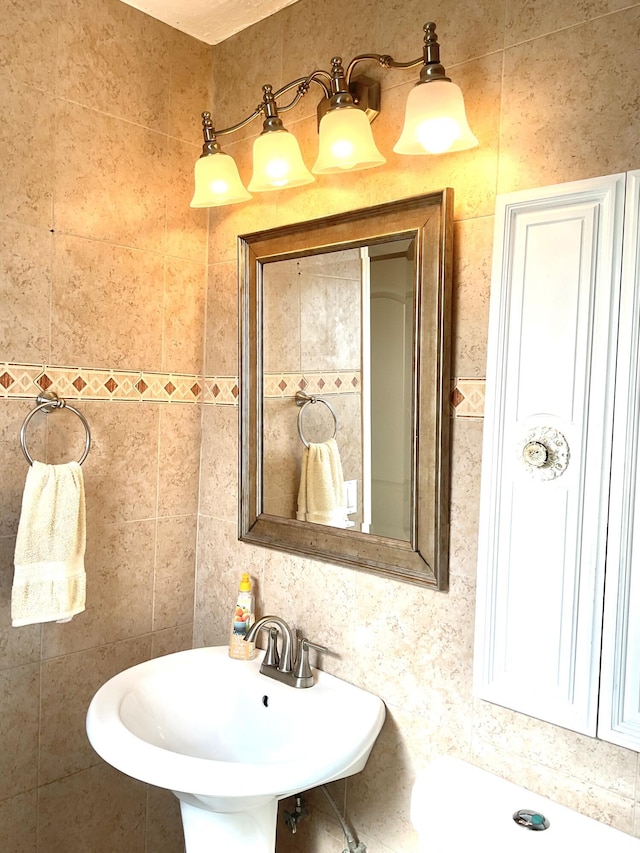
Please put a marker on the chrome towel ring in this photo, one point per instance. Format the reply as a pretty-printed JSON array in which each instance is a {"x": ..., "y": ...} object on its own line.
[
  {"x": 303, "y": 400},
  {"x": 47, "y": 402}
]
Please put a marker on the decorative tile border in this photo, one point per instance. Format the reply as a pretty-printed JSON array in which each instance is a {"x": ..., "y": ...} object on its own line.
[
  {"x": 467, "y": 398},
  {"x": 467, "y": 395},
  {"x": 322, "y": 382},
  {"x": 28, "y": 380},
  {"x": 79, "y": 383},
  {"x": 221, "y": 390}
]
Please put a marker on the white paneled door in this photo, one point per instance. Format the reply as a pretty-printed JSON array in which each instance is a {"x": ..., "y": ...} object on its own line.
[{"x": 547, "y": 449}]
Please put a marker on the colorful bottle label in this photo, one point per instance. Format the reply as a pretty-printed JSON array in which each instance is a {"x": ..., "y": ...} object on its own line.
[
  {"x": 243, "y": 614},
  {"x": 243, "y": 619}
]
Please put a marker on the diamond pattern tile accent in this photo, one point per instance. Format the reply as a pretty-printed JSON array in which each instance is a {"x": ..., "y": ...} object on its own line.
[
  {"x": 221, "y": 390},
  {"x": 20, "y": 380},
  {"x": 468, "y": 397},
  {"x": 74, "y": 383},
  {"x": 126, "y": 389},
  {"x": 456, "y": 397},
  {"x": 285, "y": 385}
]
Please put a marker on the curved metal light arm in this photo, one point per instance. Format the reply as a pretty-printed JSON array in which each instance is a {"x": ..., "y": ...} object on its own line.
[
  {"x": 245, "y": 121},
  {"x": 430, "y": 59},
  {"x": 332, "y": 84},
  {"x": 382, "y": 59},
  {"x": 302, "y": 84}
]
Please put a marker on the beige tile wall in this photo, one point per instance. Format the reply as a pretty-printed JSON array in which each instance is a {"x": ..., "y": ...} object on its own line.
[
  {"x": 552, "y": 94},
  {"x": 102, "y": 269}
]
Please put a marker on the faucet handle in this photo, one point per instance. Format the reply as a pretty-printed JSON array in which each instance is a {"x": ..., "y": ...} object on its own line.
[
  {"x": 303, "y": 669},
  {"x": 271, "y": 657}
]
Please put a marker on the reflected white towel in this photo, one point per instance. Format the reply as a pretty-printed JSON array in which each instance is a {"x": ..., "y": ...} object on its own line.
[
  {"x": 321, "y": 497},
  {"x": 49, "y": 581}
]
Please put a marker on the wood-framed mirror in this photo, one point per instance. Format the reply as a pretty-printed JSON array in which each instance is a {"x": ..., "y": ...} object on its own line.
[{"x": 354, "y": 310}]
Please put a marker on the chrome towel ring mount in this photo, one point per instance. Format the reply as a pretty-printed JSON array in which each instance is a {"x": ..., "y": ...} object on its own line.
[
  {"x": 47, "y": 402},
  {"x": 303, "y": 400}
]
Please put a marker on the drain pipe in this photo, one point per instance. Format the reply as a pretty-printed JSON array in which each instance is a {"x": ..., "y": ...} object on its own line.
[
  {"x": 354, "y": 846},
  {"x": 292, "y": 819}
]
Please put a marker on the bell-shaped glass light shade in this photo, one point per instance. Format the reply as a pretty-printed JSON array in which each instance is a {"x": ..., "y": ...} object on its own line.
[
  {"x": 277, "y": 162},
  {"x": 435, "y": 120},
  {"x": 217, "y": 181},
  {"x": 346, "y": 142}
]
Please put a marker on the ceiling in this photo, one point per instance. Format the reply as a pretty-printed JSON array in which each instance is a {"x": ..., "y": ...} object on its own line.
[{"x": 210, "y": 21}]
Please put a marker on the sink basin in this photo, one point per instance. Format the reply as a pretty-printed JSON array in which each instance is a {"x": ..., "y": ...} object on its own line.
[{"x": 228, "y": 741}]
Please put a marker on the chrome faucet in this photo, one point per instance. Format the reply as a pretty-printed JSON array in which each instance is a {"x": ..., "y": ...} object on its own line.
[{"x": 283, "y": 666}]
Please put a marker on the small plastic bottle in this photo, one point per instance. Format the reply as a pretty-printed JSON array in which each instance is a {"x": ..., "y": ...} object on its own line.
[{"x": 242, "y": 619}]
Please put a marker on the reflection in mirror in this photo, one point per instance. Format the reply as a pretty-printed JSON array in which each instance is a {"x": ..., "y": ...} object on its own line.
[
  {"x": 352, "y": 310},
  {"x": 341, "y": 323},
  {"x": 392, "y": 277}
]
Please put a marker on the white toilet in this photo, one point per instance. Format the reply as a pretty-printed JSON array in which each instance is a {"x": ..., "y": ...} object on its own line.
[{"x": 457, "y": 807}]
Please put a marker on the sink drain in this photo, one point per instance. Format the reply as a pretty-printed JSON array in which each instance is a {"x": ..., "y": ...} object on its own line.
[{"x": 531, "y": 820}]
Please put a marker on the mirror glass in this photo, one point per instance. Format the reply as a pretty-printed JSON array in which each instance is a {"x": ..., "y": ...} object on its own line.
[
  {"x": 358, "y": 361},
  {"x": 344, "y": 379}
]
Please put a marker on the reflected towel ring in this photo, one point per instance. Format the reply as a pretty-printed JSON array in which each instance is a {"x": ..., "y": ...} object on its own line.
[
  {"x": 303, "y": 401},
  {"x": 47, "y": 402}
]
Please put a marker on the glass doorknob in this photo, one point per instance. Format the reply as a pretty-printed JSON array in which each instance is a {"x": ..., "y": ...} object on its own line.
[{"x": 535, "y": 453}]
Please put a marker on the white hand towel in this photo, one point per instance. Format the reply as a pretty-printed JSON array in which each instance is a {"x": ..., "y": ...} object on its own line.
[
  {"x": 321, "y": 497},
  {"x": 49, "y": 581}
]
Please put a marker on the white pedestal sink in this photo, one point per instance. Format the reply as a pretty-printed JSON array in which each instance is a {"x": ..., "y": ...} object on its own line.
[{"x": 230, "y": 742}]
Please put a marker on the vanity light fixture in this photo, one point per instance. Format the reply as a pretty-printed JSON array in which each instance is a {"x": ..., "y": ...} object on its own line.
[
  {"x": 217, "y": 178},
  {"x": 277, "y": 160},
  {"x": 345, "y": 139},
  {"x": 435, "y": 122}
]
